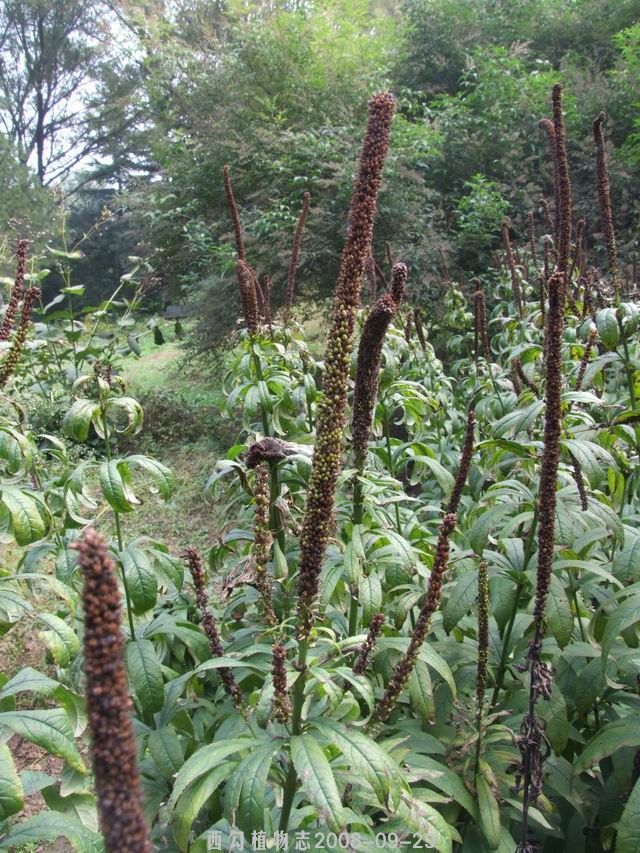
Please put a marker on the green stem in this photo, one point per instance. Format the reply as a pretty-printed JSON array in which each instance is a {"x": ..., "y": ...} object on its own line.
[
  {"x": 387, "y": 438},
  {"x": 357, "y": 519},
  {"x": 116, "y": 514},
  {"x": 502, "y": 666},
  {"x": 258, "y": 368},
  {"x": 296, "y": 727}
]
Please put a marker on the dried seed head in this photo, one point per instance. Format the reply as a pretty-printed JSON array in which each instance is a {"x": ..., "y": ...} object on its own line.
[
  {"x": 113, "y": 744},
  {"x": 268, "y": 450},
  {"x": 483, "y": 634}
]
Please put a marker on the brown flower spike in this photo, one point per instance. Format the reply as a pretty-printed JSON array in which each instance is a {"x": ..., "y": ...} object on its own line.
[
  {"x": 547, "y": 125},
  {"x": 262, "y": 543},
  {"x": 330, "y": 417},
  {"x": 16, "y": 292},
  {"x": 13, "y": 356},
  {"x": 366, "y": 649},
  {"x": 481, "y": 335},
  {"x": 368, "y": 362},
  {"x": 511, "y": 263},
  {"x": 248, "y": 295},
  {"x": 465, "y": 464},
  {"x": 281, "y": 700},
  {"x": 113, "y": 744},
  {"x": 604, "y": 199},
  {"x": 194, "y": 564},
  {"x": 403, "y": 669},
  {"x": 563, "y": 236}
]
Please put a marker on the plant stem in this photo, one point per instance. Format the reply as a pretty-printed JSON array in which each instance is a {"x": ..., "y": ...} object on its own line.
[
  {"x": 387, "y": 437},
  {"x": 502, "y": 667},
  {"x": 296, "y": 719},
  {"x": 116, "y": 514}
]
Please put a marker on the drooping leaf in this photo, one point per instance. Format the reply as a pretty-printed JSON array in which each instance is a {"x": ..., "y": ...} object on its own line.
[{"x": 317, "y": 780}]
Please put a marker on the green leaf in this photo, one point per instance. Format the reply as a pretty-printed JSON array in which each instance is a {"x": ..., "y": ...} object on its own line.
[
  {"x": 370, "y": 595},
  {"x": 114, "y": 479},
  {"x": 30, "y": 680},
  {"x": 626, "y": 563},
  {"x": 11, "y": 793},
  {"x": 190, "y": 803},
  {"x": 142, "y": 582},
  {"x": 489, "y": 812},
  {"x": 204, "y": 760},
  {"x": 61, "y": 640},
  {"x": 47, "y": 826},
  {"x": 166, "y": 751},
  {"x": 27, "y": 523},
  {"x": 610, "y": 738},
  {"x": 49, "y": 729},
  {"x": 628, "y": 838},
  {"x": 316, "y": 778},
  {"x": 484, "y": 526},
  {"x": 365, "y": 758},
  {"x": 558, "y": 612},
  {"x": 77, "y": 421},
  {"x": 421, "y": 692},
  {"x": 245, "y": 790},
  {"x": 459, "y": 599},
  {"x": 163, "y": 476},
  {"x": 145, "y": 676},
  {"x": 607, "y": 325}
]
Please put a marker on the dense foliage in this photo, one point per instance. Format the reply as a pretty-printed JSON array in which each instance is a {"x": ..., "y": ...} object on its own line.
[{"x": 434, "y": 643}]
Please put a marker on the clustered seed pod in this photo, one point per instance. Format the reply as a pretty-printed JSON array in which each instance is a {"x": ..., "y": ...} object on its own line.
[
  {"x": 465, "y": 464},
  {"x": 586, "y": 355},
  {"x": 403, "y": 669},
  {"x": 417, "y": 321},
  {"x": 268, "y": 450},
  {"x": 368, "y": 363},
  {"x": 331, "y": 408},
  {"x": 262, "y": 543},
  {"x": 480, "y": 326},
  {"x": 375, "y": 626},
  {"x": 547, "y": 125},
  {"x": 194, "y": 564},
  {"x": 511, "y": 263},
  {"x": 13, "y": 356},
  {"x": 248, "y": 295},
  {"x": 113, "y": 744},
  {"x": 11, "y": 311},
  {"x": 522, "y": 376},
  {"x": 604, "y": 199},
  {"x": 281, "y": 700},
  {"x": 295, "y": 252},
  {"x": 233, "y": 210},
  {"x": 483, "y": 634}
]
